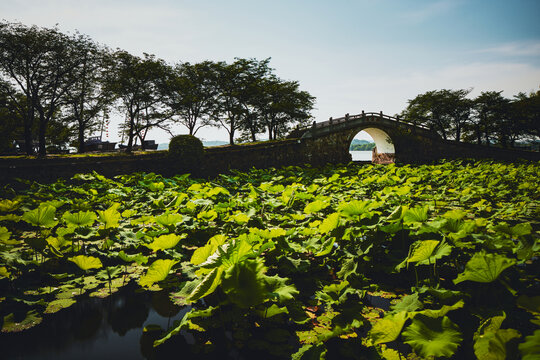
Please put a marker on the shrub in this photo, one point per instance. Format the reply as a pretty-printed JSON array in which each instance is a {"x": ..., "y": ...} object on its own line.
[{"x": 187, "y": 151}]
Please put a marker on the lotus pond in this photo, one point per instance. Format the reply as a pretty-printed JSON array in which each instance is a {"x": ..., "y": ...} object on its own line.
[{"x": 341, "y": 262}]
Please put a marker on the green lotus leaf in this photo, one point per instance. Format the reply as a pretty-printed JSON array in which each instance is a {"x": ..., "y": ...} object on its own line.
[
  {"x": 184, "y": 323},
  {"x": 5, "y": 237},
  {"x": 271, "y": 233},
  {"x": 490, "y": 340},
  {"x": 42, "y": 216},
  {"x": 58, "y": 304},
  {"x": 310, "y": 352},
  {"x": 201, "y": 254},
  {"x": 408, "y": 303},
  {"x": 7, "y": 205},
  {"x": 110, "y": 217},
  {"x": 355, "y": 208},
  {"x": 207, "y": 285},
  {"x": 86, "y": 262},
  {"x": 416, "y": 215},
  {"x": 326, "y": 247},
  {"x": 164, "y": 242},
  {"x": 531, "y": 347},
  {"x": 484, "y": 268},
  {"x": 330, "y": 223},
  {"x": 138, "y": 258},
  {"x": 240, "y": 218},
  {"x": 422, "y": 250},
  {"x": 388, "y": 328},
  {"x": 13, "y": 323},
  {"x": 440, "y": 312},
  {"x": 244, "y": 283},
  {"x": 169, "y": 219},
  {"x": 82, "y": 218},
  {"x": 207, "y": 215},
  {"x": 157, "y": 271},
  {"x": 316, "y": 206},
  {"x": 273, "y": 310},
  {"x": 455, "y": 214},
  {"x": 435, "y": 337},
  {"x": 58, "y": 242},
  {"x": 278, "y": 289}
]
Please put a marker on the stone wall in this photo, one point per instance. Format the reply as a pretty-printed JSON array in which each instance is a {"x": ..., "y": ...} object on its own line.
[{"x": 217, "y": 160}]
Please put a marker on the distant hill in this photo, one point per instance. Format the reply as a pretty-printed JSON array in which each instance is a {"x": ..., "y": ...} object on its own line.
[
  {"x": 360, "y": 142},
  {"x": 165, "y": 146}
]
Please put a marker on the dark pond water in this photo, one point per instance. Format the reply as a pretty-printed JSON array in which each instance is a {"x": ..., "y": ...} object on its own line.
[{"x": 93, "y": 328}]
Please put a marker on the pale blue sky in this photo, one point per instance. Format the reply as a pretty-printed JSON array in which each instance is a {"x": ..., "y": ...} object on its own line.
[{"x": 352, "y": 55}]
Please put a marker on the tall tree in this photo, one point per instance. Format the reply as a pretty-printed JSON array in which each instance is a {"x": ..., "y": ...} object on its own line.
[
  {"x": 228, "y": 110},
  {"x": 490, "y": 117},
  {"x": 191, "y": 93},
  {"x": 445, "y": 111},
  {"x": 87, "y": 100},
  {"x": 39, "y": 61},
  {"x": 525, "y": 113},
  {"x": 284, "y": 105},
  {"x": 138, "y": 83}
]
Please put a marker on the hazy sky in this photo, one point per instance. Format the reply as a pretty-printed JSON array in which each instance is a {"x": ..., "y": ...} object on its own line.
[{"x": 358, "y": 55}]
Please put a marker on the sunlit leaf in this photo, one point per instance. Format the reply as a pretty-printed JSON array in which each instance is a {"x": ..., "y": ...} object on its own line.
[
  {"x": 157, "y": 271},
  {"x": 330, "y": 223},
  {"x": 110, "y": 217},
  {"x": 42, "y": 216},
  {"x": 86, "y": 262},
  {"x": 164, "y": 242},
  {"x": 388, "y": 328},
  {"x": 82, "y": 218},
  {"x": 484, "y": 268},
  {"x": 436, "y": 337}
]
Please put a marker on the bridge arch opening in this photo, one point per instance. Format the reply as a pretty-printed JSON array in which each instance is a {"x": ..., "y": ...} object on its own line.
[{"x": 382, "y": 153}]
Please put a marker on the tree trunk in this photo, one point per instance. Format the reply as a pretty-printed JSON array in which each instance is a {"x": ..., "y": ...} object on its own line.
[
  {"x": 28, "y": 122},
  {"x": 81, "y": 148},
  {"x": 231, "y": 137},
  {"x": 42, "y": 129}
]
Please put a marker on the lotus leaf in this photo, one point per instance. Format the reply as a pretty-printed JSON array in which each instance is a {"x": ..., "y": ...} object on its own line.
[
  {"x": 388, "y": 328},
  {"x": 157, "y": 271},
  {"x": 86, "y": 262},
  {"x": 13, "y": 323},
  {"x": 330, "y": 223},
  {"x": 110, "y": 217},
  {"x": 164, "y": 242},
  {"x": 435, "y": 337},
  {"x": 531, "y": 347},
  {"x": 42, "y": 216},
  {"x": 484, "y": 268},
  {"x": 82, "y": 218}
]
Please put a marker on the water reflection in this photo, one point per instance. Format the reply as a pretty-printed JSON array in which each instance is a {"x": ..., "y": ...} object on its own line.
[{"x": 93, "y": 328}]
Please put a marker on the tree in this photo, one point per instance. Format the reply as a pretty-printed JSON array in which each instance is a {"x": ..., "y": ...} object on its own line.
[
  {"x": 139, "y": 85},
  {"x": 87, "y": 99},
  {"x": 525, "y": 112},
  {"x": 39, "y": 62},
  {"x": 228, "y": 110},
  {"x": 11, "y": 118},
  {"x": 444, "y": 111},
  {"x": 284, "y": 106},
  {"x": 490, "y": 117},
  {"x": 191, "y": 94}
]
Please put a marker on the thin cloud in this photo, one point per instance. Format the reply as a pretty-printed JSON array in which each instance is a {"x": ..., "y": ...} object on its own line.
[
  {"x": 514, "y": 49},
  {"x": 429, "y": 11}
]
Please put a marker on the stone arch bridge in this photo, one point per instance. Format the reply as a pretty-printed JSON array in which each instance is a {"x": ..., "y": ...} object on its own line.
[{"x": 395, "y": 140}]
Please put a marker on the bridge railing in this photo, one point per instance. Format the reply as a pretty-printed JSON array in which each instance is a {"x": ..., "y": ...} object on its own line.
[{"x": 347, "y": 118}]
